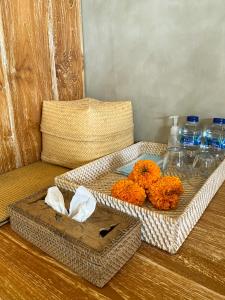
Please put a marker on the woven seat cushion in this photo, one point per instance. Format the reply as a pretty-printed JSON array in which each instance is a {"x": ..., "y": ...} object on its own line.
[{"x": 20, "y": 183}]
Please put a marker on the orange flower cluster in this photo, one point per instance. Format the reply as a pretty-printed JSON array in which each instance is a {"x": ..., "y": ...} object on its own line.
[
  {"x": 128, "y": 191},
  {"x": 164, "y": 194},
  {"x": 145, "y": 172}
]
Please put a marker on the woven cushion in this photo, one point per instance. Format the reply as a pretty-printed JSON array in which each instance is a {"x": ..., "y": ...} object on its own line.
[
  {"x": 23, "y": 182},
  {"x": 76, "y": 132}
]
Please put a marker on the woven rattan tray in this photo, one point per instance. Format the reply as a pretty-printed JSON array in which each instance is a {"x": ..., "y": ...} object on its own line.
[
  {"x": 164, "y": 229},
  {"x": 95, "y": 249}
]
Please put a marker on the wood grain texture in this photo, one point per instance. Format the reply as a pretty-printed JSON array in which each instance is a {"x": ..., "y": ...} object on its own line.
[
  {"x": 7, "y": 150},
  {"x": 10, "y": 156},
  {"x": 68, "y": 51},
  {"x": 33, "y": 53},
  {"x": 197, "y": 271},
  {"x": 26, "y": 40}
]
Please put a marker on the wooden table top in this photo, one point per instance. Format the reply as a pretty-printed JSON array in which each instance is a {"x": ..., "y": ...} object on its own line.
[{"x": 197, "y": 271}]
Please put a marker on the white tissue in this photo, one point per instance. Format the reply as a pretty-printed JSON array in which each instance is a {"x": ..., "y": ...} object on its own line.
[
  {"x": 55, "y": 199},
  {"x": 82, "y": 204}
]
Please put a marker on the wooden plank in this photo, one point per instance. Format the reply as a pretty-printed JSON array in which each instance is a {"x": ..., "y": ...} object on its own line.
[
  {"x": 25, "y": 24},
  {"x": 7, "y": 150},
  {"x": 197, "y": 271},
  {"x": 52, "y": 52},
  {"x": 68, "y": 48}
]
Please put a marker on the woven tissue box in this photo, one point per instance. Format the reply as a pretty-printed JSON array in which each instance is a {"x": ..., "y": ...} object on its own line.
[{"x": 95, "y": 249}]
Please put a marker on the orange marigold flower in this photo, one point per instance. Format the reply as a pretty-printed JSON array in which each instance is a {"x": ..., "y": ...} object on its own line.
[
  {"x": 128, "y": 191},
  {"x": 164, "y": 194},
  {"x": 145, "y": 172}
]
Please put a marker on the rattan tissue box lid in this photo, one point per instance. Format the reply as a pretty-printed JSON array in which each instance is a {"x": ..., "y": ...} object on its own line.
[{"x": 95, "y": 249}]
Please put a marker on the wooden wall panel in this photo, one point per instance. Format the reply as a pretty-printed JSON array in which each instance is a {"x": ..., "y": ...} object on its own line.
[
  {"x": 69, "y": 52},
  {"x": 26, "y": 39},
  {"x": 7, "y": 149},
  {"x": 43, "y": 61}
]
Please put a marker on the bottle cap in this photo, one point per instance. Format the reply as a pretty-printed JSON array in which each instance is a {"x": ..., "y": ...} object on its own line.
[
  {"x": 218, "y": 121},
  {"x": 193, "y": 119}
]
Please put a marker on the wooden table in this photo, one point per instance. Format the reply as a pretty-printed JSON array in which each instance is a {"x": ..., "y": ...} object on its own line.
[{"x": 197, "y": 271}]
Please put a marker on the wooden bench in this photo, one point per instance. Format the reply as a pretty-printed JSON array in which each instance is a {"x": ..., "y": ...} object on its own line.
[{"x": 25, "y": 181}]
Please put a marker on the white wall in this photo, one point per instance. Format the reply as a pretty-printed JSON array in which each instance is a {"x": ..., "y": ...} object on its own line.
[{"x": 167, "y": 56}]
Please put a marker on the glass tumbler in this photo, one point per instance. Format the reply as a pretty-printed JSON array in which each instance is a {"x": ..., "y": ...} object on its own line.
[
  {"x": 205, "y": 163},
  {"x": 174, "y": 162}
]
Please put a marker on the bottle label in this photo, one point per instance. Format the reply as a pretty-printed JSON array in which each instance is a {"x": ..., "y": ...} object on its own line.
[
  {"x": 216, "y": 143},
  {"x": 190, "y": 140},
  {"x": 223, "y": 143},
  {"x": 187, "y": 140},
  {"x": 197, "y": 140},
  {"x": 208, "y": 141}
]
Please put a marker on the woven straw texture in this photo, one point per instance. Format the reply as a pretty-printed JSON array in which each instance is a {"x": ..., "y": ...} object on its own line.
[
  {"x": 76, "y": 132},
  {"x": 164, "y": 229},
  {"x": 98, "y": 267},
  {"x": 22, "y": 182}
]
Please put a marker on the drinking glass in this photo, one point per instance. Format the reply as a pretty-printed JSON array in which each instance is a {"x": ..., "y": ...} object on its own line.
[
  {"x": 205, "y": 163},
  {"x": 218, "y": 154},
  {"x": 174, "y": 162}
]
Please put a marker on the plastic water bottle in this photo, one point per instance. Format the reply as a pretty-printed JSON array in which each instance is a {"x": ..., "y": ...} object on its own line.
[
  {"x": 213, "y": 135},
  {"x": 191, "y": 133},
  {"x": 214, "y": 139},
  {"x": 223, "y": 136},
  {"x": 190, "y": 137}
]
